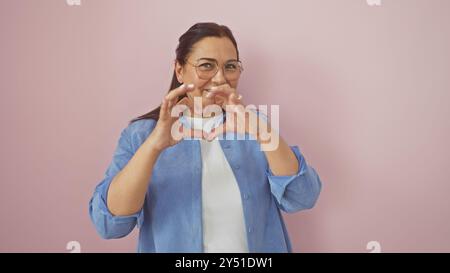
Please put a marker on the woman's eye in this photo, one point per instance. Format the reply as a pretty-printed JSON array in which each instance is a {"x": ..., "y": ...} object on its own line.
[
  {"x": 231, "y": 67},
  {"x": 206, "y": 65}
]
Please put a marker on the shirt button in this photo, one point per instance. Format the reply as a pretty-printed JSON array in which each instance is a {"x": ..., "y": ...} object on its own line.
[
  {"x": 250, "y": 230},
  {"x": 246, "y": 196},
  {"x": 237, "y": 167}
]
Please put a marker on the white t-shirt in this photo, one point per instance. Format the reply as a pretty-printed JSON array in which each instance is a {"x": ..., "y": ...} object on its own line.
[{"x": 222, "y": 212}]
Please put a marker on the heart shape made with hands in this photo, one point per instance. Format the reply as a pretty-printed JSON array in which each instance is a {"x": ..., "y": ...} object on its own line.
[
  {"x": 225, "y": 97},
  {"x": 201, "y": 124}
]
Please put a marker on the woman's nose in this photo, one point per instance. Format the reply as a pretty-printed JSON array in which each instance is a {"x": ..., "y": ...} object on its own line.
[{"x": 219, "y": 78}]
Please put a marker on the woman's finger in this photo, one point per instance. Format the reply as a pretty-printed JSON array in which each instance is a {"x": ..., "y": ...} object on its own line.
[
  {"x": 181, "y": 90},
  {"x": 188, "y": 104},
  {"x": 227, "y": 92},
  {"x": 235, "y": 98},
  {"x": 220, "y": 100},
  {"x": 164, "y": 111},
  {"x": 224, "y": 89}
]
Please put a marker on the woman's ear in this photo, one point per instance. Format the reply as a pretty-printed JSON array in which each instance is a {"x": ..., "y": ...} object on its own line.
[{"x": 179, "y": 71}]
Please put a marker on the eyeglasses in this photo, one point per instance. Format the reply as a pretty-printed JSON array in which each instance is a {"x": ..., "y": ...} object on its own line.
[{"x": 207, "y": 68}]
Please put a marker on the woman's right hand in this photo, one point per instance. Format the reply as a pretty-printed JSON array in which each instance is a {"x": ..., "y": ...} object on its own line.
[{"x": 161, "y": 137}]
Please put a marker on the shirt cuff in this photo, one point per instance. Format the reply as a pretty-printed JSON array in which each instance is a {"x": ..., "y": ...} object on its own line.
[{"x": 279, "y": 183}]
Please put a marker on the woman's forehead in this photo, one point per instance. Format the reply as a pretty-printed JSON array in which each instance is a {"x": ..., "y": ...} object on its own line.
[{"x": 221, "y": 49}]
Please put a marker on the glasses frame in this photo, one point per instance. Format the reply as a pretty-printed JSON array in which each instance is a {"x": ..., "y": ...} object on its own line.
[{"x": 241, "y": 67}]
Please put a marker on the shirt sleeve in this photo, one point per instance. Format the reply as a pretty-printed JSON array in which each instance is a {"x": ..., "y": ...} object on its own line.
[
  {"x": 108, "y": 225},
  {"x": 296, "y": 192}
]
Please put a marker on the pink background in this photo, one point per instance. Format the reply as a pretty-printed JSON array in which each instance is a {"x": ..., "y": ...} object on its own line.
[{"x": 364, "y": 92}]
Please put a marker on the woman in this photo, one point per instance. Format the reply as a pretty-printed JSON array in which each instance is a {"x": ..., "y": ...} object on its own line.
[{"x": 207, "y": 193}]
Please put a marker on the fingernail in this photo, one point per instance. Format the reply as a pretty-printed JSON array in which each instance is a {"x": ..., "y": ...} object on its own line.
[
  {"x": 182, "y": 86},
  {"x": 191, "y": 85},
  {"x": 209, "y": 95},
  {"x": 239, "y": 97}
]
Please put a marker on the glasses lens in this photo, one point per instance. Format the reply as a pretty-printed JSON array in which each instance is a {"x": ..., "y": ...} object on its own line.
[
  {"x": 206, "y": 69},
  {"x": 232, "y": 70}
]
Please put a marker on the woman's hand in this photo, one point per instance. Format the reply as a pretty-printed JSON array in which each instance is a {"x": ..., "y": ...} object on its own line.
[
  {"x": 162, "y": 136},
  {"x": 242, "y": 121},
  {"x": 224, "y": 95}
]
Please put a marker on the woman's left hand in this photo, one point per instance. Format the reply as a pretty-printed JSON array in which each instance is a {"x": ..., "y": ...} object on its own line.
[{"x": 228, "y": 98}]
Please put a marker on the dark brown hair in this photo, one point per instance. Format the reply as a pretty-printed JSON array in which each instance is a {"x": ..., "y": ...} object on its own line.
[{"x": 185, "y": 43}]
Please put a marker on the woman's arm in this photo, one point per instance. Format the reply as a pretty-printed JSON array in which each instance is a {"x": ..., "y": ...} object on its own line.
[
  {"x": 294, "y": 184},
  {"x": 126, "y": 194},
  {"x": 127, "y": 191},
  {"x": 282, "y": 161}
]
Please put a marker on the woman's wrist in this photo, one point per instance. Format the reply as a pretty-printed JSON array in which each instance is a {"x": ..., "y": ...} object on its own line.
[
  {"x": 263, "y": 132},
  {"x": 151, "y": 146}
]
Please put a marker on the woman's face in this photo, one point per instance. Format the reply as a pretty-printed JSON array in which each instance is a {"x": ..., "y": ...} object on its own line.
[{"x": 222, "y": 51}]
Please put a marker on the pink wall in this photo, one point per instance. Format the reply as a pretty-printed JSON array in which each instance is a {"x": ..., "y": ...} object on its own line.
[{"x": 364, "y": 91}]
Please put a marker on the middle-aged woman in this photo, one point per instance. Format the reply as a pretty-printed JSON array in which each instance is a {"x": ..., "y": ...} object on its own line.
[{"x": 209, "y": 193}]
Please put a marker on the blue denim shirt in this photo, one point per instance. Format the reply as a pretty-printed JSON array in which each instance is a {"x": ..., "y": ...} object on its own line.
[{"x": 171, "y": 217}]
